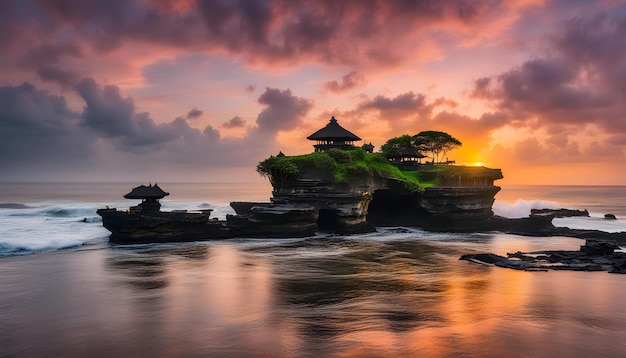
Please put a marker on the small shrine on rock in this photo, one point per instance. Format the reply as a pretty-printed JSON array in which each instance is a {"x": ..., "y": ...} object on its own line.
[{"x": 149, "y": 196}]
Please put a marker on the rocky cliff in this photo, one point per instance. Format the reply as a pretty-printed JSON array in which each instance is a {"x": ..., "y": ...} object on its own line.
[{"x": 370, "y": 194}]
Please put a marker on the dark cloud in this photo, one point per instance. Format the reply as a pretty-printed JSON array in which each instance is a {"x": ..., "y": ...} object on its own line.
[
  {"x": 49, "y": 62},
  {"x": 267, "y": 30},
  {"x": 38, "y": 131},
  {"x": 235, "y": 122},
  {"x": 250, "y": 89},
  {"x": 51, "y": 53},
  {"x": 582, "y": 82},
  {"x": 251, "y": 20},
  {"x": 112, "y": 116},
  {"x": 194, "y": 113},
  {"x": 406, "y": 104},
  {"x": 545, "y": 85},
  {"x": 348, "y": 82},
  {"x": 284, "y": 111},
  {"x": 41, "y": 137},
  {"x": 66, "y": 79},
  {"x": 481, "y": 88}
]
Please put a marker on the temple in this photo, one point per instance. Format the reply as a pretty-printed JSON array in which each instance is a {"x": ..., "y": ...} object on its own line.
[
  {"x": 369, "y": 147},
  {"x": 333, "y": 136},
  {"x": 407, "y": 157},
  {"x": 149, "y": 196}
]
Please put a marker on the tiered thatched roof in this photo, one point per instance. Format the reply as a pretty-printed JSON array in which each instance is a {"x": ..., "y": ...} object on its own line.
[
  {"x": 334, "y": 132},
  {"x": 147, "y": 192}
]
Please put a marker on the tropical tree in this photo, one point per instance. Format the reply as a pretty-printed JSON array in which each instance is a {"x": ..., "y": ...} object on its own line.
[
  {"x": 394, "y": 146},
  {"x": 436, "y": 143}
]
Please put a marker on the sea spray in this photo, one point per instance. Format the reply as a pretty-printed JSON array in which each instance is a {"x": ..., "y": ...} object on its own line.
[{"x": 521, "y": 208}]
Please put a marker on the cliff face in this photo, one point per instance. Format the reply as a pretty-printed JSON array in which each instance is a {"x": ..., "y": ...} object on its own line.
[
  {"x": 342, "y": 208},
  {"x": 462, "y": 203}
]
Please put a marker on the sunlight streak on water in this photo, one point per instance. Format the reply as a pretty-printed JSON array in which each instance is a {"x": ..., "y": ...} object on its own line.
[{"x": 323, "y": 296}]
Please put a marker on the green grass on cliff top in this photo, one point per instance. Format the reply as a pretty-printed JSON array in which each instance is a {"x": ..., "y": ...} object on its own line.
[{"x": 339, "y": 166}]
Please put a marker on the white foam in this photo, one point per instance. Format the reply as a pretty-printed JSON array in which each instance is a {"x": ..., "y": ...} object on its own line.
[
  {"x": 521, "y": 208},
  {"x": 48, "y": 226}
]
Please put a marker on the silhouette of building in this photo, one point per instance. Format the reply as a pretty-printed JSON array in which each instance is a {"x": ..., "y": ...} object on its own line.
[
  {"x": 411, "y": 154},
  {"x": 333, "y": 136},
  {"x": 369, "y": 147},
  {"x": 149, "y": 196}
]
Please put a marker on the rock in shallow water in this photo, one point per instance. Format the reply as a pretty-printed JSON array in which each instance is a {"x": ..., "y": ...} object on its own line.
[{"x": 595, "y": 255}]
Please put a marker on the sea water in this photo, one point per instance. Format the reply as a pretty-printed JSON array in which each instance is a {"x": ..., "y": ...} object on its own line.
[
  {"x": 38, "y": 217},
  {"x": 65, "y": 291}
]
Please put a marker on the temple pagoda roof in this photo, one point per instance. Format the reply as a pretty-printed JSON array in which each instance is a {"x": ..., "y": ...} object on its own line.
[
  {"x": 333, "y": 131},
  {"x": 147, "y": 192},
  {"x": 411, "y": 152}
]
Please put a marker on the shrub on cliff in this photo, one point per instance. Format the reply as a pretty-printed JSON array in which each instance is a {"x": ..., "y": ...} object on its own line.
[
  {"x": 335, "y": 166},
  {"x": 277, "y": 170}
]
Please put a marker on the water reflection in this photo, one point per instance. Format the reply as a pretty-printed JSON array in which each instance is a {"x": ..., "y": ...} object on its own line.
[
  {"x": 345, "y": 296},
  {"x": 144, "y": 266},
  {"x": 330, "y": 288},
  {"x": 397, "y": 294}
]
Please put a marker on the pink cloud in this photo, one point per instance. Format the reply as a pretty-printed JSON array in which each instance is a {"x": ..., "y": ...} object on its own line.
[
  {"x": 235, "y": 122},
  {"x": 348, "y": 82}
]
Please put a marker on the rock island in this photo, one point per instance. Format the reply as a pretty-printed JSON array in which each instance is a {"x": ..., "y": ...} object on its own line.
[{"x": 341, "y": 188}]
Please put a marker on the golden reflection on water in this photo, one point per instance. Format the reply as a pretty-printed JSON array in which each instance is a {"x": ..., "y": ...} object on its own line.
[
  {"x": 314, "y": 297},
  {"x": 361, "y": 299}
]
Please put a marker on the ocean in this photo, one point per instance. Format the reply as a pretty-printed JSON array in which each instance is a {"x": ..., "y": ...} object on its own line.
[{"x": 66, "y": 291}]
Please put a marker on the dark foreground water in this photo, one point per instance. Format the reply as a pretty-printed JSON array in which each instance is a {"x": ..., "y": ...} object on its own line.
[{"x": 396, "y": 292}]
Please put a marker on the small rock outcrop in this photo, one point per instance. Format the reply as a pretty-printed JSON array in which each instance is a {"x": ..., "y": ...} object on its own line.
[
  {"x": 595, "y": 255},
  {"x": 610, "y": 217},
  {"x": 559, "y": 213},
  {"x": 274, "y": 221}
]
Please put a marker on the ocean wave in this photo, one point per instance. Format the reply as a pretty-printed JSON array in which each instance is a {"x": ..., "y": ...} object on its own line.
[
  {"x": 13, "y": 206},
  {"x": 49, "y": 226},
  {"x": 521, "y": 208},
  {"x": 27, "y": 247}
]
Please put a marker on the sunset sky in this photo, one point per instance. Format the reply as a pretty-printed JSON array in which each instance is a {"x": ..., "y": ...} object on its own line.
[{"x": 201, "y": 91}]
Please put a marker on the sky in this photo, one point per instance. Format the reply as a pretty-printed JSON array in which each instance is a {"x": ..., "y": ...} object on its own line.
[{"x": 201, "y": 91}]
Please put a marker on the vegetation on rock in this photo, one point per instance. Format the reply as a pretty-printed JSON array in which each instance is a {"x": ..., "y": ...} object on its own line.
[
  {"x": 338, "y": 166},
  {"x": 394, "y": 146}
]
